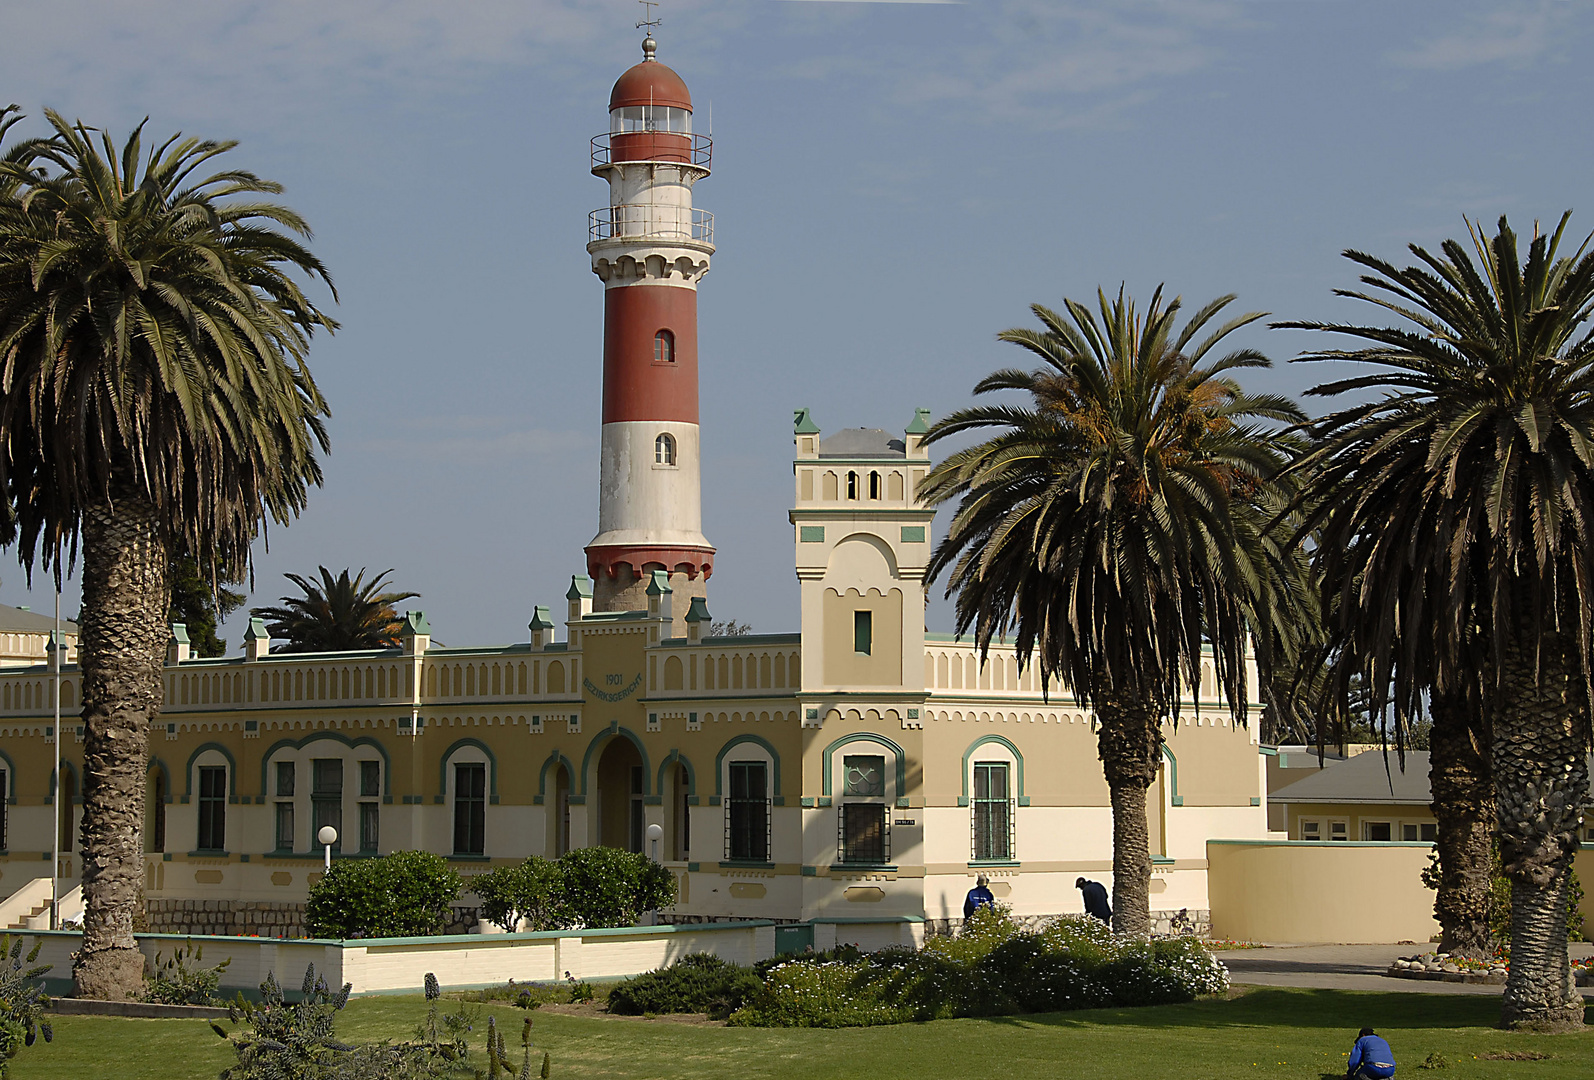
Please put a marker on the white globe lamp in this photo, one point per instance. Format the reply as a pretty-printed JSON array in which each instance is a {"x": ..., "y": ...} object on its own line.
[{"x": 328, "y": 836}]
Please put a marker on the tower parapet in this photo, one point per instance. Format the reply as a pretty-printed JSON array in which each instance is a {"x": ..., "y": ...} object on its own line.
[{"x": 650, "y": 246}]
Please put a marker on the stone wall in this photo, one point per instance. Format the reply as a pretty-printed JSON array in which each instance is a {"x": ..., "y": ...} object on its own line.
[
  {"x": 241, "y": 918},
  {"x": 248, "y": 918}
]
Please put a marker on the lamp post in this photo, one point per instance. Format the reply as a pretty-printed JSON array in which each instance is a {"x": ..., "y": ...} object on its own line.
[
  {"x": 328, "y": 836},
  {"x": 655, "y": 831}
]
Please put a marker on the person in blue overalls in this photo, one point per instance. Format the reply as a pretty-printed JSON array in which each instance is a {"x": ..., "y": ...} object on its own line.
[
  {"x": 1370, "y": 1059},
  {"x": 978, "y": 897}
]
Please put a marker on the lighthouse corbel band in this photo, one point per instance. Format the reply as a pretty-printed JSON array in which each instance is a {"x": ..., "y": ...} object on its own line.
[{"x": 650, "y": 247}]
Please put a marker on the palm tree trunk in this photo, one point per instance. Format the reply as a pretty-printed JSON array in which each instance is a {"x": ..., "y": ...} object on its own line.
[
  {"x": 121, "y": 654},
  {"x": 1129, "y": 740},
  {"x": 1541, "y": 784},
  {"x": 1463, "y": 802}
]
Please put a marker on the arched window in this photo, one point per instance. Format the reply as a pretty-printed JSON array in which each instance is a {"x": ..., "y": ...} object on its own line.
[
  {"x": 874, "y": 485},
  {"x": 664, "y": 449},
  {"x": 664, "y": 347},
  {"x": 852, "y": 485}
]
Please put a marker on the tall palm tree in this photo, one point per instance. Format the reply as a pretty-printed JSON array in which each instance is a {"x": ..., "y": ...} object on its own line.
[
  {"x": 1456, "y": 509},
  {"x": 1117, "y": 523},
  {"x": 337, "y": 614},
  {"x": 156, "y": 402}
]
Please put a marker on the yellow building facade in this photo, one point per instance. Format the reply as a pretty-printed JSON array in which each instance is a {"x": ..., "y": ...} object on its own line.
[{"x": 859, "y": 767}]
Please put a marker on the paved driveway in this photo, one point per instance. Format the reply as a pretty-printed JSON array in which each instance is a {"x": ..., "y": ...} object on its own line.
[{"x": 1346, "y": 967}]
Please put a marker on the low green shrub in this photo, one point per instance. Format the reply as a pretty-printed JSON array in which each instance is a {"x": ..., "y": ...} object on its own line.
[
  {"x": 183, "y": 980},
  {"x": 698, "y": 983},
  {"x": 520, "y": 995},
  {"x": 405, "y": 894},
  {"x": 22, "y": 1000},
  {"x": 993, "y": 968}
]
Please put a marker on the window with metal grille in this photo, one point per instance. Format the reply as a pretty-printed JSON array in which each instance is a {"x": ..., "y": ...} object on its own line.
[
  {"x": 747, "y": 812},
  {"x": 664, "y": 449},
  {"x": 370, "y": 816},
  {"x": 863, "y": 827},
  {"x": 326, "y": 797},
  {"x": 470, "y": 808},
  {"x": 865, "y": 834},
  {"x": 212, "y": 808},
  {"x": 993, "y": 813}
]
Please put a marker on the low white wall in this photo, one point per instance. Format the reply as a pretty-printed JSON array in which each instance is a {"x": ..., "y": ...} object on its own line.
[{"x": 400, "y": 965}]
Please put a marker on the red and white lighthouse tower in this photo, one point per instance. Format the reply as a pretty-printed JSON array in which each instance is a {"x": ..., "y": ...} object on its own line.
[{"x": 649, "y": 247}]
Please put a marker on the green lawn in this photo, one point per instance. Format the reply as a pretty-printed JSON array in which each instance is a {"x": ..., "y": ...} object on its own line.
[{"x": 1264, "y": 1034}]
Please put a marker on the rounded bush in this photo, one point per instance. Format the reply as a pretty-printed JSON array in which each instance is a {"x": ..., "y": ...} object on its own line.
[{"x": 405, "y": 894}]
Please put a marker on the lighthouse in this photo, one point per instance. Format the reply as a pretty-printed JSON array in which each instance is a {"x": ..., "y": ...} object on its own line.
[{"x": 649, "y": 247}]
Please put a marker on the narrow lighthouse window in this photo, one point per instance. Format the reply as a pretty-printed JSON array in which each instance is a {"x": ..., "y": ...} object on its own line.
[
  {"x": 664, "y": 347},
  {"x": 664, "y": 450}
]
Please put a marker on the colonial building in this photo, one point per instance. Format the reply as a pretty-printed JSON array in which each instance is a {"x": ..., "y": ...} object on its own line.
[{"x": 856, "y": 767}]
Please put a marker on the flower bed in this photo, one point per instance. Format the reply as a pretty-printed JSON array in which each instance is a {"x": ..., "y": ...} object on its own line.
[
  {"x": 993, "y": 968},
  {"x": 1442, "y": 967}
]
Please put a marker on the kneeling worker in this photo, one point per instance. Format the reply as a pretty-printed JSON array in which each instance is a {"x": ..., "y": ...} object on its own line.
[{"x": 1370, "y": 1059}]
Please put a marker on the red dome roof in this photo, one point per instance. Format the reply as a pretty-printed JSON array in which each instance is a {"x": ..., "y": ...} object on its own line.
[{"x": 650, "y": 83}]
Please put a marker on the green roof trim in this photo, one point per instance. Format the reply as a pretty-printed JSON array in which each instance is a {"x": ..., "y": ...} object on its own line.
[
  {"x": 580, "y": 587},
  {"x": 257, "y": 631},
  {"x": 659, "y": 583},
  {"x": 415, "y": 624},
  {"x": 803, "y": 422},
  {"x": 179, "y": 634},
  {"x": 698, "y": 612},
  {"x": 540, "y": 619},
  {"x": 921, "y": 422}
]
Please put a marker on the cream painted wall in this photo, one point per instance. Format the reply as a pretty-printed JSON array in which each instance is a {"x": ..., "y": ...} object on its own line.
[{"x": 1287, "y": 891}]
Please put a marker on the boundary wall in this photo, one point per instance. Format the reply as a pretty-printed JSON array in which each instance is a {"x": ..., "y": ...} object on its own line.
[{"x": 476, "y": 961}]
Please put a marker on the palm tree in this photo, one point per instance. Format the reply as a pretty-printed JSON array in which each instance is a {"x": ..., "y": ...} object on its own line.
[
  {"x": 1117, "y": 523},
  {"x": 337, "y": 614},
  {"x": 1461, "y": 784},
  {"x": 157, "y": 402},
  {"x": 1456, "y": 509}
]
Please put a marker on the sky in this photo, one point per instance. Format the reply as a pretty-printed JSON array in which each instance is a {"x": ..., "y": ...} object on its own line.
[{"x": 894, "y": 184}]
